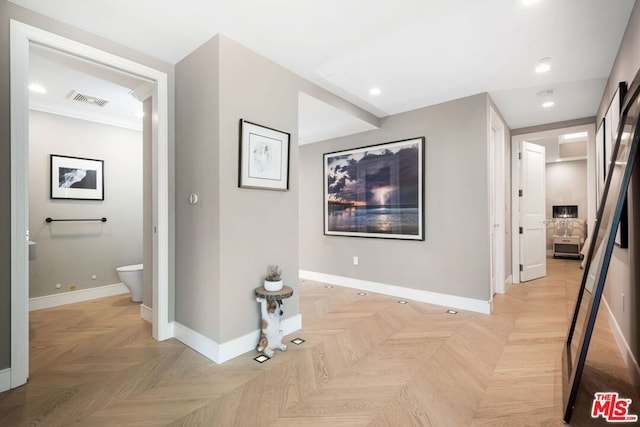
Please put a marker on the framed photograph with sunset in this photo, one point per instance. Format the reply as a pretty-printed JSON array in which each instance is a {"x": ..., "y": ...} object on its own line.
[{"x": 376, "y": 191}]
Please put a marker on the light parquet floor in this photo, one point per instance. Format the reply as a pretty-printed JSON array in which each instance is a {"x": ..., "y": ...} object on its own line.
[{"x": 367, "y": 361}]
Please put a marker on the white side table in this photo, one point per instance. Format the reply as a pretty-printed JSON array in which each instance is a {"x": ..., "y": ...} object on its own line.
[{"x": 566, "y": 246}]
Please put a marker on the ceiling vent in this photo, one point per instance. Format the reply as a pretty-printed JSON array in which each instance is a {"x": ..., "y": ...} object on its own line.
[{"x": 87, "y": 99}]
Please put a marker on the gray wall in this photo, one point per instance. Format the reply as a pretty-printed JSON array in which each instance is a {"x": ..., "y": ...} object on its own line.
[
  {"x": 225, "y": 242},
  {"x": 69, "y": 253},
  {"x": 198, "y": 164},
  {"x": 624, "y": 272},
  {"x": 258, "y": 227},
  {"x": 566, "y": 184},
  {"x": 10, "y": 11},
  {"x": 454, "y": 257}
]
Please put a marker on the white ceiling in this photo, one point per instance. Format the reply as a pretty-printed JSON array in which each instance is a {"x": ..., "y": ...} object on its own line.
[
  {"x": 62, "y": 75},
  {"x": 418, "y": 52}
]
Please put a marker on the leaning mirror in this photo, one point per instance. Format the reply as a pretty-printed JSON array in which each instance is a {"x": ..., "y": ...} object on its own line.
[{"x": 601, "y": 247}]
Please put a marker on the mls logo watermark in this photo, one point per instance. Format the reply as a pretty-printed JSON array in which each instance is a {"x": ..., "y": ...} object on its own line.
[{"x": 612, "y": 408}]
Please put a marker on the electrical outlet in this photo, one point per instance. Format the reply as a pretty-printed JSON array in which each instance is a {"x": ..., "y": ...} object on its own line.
[{"x": 355, "y": 260}]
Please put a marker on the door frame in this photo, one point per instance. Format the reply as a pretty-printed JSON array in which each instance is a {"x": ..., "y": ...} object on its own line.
[
  {"x": 590, "y": 128},
  {"x": 21, "y": 35},
  {"x": 496, "y": 167},
  {"x": 533, "y": 222}
]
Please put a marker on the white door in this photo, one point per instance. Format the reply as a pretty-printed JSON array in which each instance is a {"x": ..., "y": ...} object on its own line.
[
  {"x": 496, "y": 203},
  {"x": 492, "y": 211},
  {"x": 533, "y": 257}
]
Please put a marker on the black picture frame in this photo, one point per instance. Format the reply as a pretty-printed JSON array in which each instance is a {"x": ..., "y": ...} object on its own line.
[
  {"x": 610, "y": 211},
  {"x": 376, "y": 191},
  {"x": 611, "y": 121},
  {"x": 76, "y": 178},
  {"x": 264, "y": 157},
  {"x": 601, "y": 176}
]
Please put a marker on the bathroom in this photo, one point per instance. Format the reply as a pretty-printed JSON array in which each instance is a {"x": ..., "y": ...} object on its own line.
[{"x": 76, "y": 260}]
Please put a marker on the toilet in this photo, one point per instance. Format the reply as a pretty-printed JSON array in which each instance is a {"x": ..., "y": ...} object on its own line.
[{"x": 131, "y": 275}]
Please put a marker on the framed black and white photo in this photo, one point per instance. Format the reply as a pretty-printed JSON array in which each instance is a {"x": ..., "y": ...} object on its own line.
[
  {"x": 76, "y": 178},
  {"x": 264, "y": 157},
  {"x": 376, "y": 191}
]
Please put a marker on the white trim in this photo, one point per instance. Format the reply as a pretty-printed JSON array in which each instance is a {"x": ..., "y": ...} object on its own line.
[
  {"x": 203, "y": 345},
  {"x": 19, "y": 58},
  {"x": 627, "y": 355},
  {"x": 462, "y": 303},
  {"x": 88, "y": 116},
  {"x": 146, "y": 313},
  {"x": 5, "y": 379},
  {"x": 20, "y": 36},
  {"x": 160, "y": 203},
  {"x": 220, "y": 353},
  {"x": 508, "y": 282},
  {"x": 47, "y": 301},
  {"x": 142, "y": 92},
  {"x": 496, "y": 159}
]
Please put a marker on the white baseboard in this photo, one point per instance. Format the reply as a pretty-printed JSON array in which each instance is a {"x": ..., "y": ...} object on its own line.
[
  {"x": 47, "y": 301},
  {"x": 146, "y": 313},
  {"x": 5, "y": 379},
  {"x": 508, "y": 283},
  {"x": 220, "y": 353},
  {"x": 462, "y": 303},
  {"x": 623, "y": 345}
]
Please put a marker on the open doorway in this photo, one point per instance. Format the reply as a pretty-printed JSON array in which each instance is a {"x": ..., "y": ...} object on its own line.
[
  {"x": 85, "y": 114},
  {"x": 570, "y": 191},
  {"x": 23, "y": 37}
]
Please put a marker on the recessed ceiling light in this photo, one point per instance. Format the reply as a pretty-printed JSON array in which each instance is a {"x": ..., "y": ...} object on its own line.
[
  {"x": 33, "y": 87},
  {"x": 548, "y": 104},
  {"x": 374, "y": 91},
  {"x": 544, "y": 65}
]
